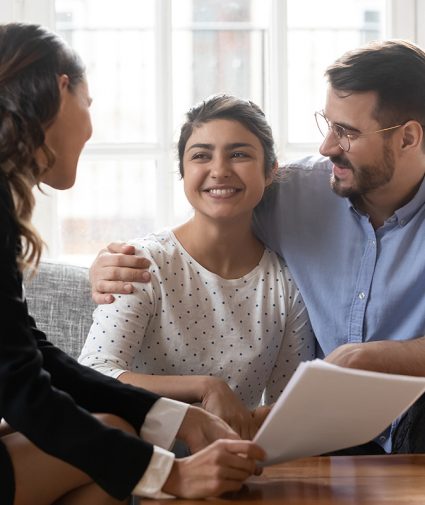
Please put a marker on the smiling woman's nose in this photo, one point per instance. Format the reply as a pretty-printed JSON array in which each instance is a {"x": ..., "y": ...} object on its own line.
[{"x": 220, "y": 168}]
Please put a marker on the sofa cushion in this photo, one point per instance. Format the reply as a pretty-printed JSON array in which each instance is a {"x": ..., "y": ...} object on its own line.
[{"x": 59, "y": 299}]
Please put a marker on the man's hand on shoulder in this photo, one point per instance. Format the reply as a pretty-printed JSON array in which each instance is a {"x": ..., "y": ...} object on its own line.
[{"x": 114, "y": 270}]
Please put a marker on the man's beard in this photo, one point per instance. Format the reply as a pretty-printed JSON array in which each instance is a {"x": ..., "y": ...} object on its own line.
[{"x": 366, "y": 177}]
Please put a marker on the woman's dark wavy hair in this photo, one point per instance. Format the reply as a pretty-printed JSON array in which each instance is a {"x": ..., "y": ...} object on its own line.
[
  {"x": 31, "y": 61},
  {"x": 235, "y": 109},
  {"x": 394, "y": 69}
]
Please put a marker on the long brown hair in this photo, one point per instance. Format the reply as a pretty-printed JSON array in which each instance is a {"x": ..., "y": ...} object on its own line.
[{"x": 31, "y": 60}]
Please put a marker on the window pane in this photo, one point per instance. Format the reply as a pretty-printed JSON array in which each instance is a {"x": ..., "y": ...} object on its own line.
[
  {"x": 118, "y": 47},
  {"x": 218, "y": 47},
  {"x": 318, "y": 33},
  {"x": 111, "y": 200}
]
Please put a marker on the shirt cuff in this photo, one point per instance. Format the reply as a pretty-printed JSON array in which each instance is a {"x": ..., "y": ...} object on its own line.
[
  {"x": 156, "y": 474},
  {"x": 163, "y": 421}
]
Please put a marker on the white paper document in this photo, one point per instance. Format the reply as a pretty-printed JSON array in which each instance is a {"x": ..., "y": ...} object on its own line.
[{"x": 325, "y": 407}]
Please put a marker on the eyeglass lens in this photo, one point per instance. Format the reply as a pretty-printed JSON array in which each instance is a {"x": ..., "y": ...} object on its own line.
[{"x": 324, "y": 126}]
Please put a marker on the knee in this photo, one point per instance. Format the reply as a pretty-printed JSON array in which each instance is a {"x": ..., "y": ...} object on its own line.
[{"x": 116, "y": 422}]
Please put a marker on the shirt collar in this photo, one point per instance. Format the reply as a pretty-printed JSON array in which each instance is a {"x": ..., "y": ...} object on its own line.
[{"x": 405, "y": 213}]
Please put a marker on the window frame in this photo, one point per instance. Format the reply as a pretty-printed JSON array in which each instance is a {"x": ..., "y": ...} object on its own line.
[{"x": 410, "y": 25}]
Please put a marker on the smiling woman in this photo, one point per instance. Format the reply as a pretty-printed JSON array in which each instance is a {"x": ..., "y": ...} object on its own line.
[
  {"x": 222, "y": 321},
  {"x": 224, "y": 179}
]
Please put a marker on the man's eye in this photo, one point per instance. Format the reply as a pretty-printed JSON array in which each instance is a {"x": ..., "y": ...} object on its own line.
[
  {"x": 339, "y": 131},
  {"x": 351, "y": 134},
  {"x": 239, "y": 154}
]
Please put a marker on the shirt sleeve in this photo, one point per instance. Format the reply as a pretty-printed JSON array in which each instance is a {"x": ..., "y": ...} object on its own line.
[
  {"x": 158, "y": 429},
  {"x": 298, "y": 342},
  {"x": 156, "y": 475}
]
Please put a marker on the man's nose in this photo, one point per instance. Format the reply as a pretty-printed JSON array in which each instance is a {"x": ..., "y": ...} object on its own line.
[{"x": 330, "y": 145}]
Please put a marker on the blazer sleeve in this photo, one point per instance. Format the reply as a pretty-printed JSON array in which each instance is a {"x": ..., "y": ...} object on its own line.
[{"x": 48, "y": 397}]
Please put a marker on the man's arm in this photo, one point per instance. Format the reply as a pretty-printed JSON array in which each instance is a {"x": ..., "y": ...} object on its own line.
[{"x": 403, "y": 357}]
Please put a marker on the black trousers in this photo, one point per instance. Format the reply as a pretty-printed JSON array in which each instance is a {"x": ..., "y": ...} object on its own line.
[{"x": 408, "y": 438}]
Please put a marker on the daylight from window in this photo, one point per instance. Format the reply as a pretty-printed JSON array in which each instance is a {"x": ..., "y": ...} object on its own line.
[{"x": 146, "y": 68}]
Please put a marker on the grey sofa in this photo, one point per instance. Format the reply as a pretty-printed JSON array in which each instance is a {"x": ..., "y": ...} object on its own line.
[{"x": 59, "y": 299}]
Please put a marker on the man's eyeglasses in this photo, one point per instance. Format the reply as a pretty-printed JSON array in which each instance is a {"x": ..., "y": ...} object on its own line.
[{"x": 344, "y": 136}]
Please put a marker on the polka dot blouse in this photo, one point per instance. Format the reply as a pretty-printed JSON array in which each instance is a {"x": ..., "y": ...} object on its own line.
[{"x": 252, "y": 332}]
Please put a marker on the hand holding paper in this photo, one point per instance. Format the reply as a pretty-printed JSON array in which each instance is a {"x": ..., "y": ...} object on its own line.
[{"x": 325, "y": 408}]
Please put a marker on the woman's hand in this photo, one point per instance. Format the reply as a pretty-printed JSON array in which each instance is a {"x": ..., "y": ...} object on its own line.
[
  {"x": 220, "y": 400},
  {"x": 113, "y": 271},
  {"x": 260, "y": 414},
  {"x": 200, "y": 428},
  {"x": 217, "y": 469}
]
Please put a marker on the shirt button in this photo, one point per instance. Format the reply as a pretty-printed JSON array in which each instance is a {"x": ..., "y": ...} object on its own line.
[
  {"x": 402, "y": 221},
  {"x": 362, "y": 295},
  {"x": 382, "y": 439}
]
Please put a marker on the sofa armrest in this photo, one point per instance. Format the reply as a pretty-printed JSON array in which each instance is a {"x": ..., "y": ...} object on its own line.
[{"x": 59, "y": 299}]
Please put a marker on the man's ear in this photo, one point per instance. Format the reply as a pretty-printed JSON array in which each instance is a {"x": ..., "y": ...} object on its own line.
[
  {"x": 271, "y": 177},
  {"x": 412, "y": 135}
]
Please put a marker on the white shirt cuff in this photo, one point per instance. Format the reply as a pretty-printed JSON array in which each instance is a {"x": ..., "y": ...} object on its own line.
[
  {"x": 163, "y": 421},
  {"x": 156, "y": 474}
]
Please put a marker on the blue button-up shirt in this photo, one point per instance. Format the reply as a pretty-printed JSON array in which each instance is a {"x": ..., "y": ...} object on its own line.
[{"x": 359, "y": 284}]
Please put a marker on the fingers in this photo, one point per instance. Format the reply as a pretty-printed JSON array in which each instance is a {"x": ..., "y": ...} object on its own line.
[
  {"x": 114, "y": 273},
  {"x": 115, "y": 262},
  {"x": 244, "y": 447},
  {"x": 243, "y": 423},
  {"x": 102, "y": 298},
  {"x": 260, "y": 414},
  {"x": 120, "y": 247},
  {"x": 219, "y": 468}
]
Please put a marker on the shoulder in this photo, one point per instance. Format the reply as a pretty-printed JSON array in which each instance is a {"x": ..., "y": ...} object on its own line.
[
  {"x": 307, "y": 173},
  {"x": 309, "y": 164},
  {"x": 300, "y": 184},
  {"x": 278, "y": 264},
  {"x": 157, "y": 247}
]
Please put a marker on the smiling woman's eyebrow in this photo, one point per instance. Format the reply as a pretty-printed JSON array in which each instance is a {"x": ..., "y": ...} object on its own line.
[
  {"x": 236, "y": 145},
  {"x": 201, "y": 146},
  {"x": 228, "y": 147}
]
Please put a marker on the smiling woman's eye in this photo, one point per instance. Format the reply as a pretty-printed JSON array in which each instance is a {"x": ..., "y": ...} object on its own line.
[
  {"x": 239, "y": 154},
  {"x": 200, "y": 156}
]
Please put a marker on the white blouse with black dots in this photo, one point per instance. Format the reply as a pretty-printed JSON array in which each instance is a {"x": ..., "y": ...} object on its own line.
[{"x": 252, "y": 332}]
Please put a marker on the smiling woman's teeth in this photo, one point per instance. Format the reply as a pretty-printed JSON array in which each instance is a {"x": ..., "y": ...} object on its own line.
[{"x": 222, "y": 192}]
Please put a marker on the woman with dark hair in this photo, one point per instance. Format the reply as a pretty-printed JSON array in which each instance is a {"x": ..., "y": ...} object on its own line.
[
  {"x": 222, "y": 323},
  {"x": 72, "y": 434}
]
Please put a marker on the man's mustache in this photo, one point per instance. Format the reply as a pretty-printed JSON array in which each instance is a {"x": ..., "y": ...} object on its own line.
[{"x": 341, "y": 162}]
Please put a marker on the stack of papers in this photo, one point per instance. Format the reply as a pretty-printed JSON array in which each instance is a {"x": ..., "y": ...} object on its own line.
[{"x": 326, "y": 407}]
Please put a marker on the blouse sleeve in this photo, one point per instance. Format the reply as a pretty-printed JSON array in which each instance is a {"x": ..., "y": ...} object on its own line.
[{"x": 117, "y": 332}]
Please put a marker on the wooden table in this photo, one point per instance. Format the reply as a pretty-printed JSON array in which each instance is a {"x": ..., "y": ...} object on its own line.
[{"x": 337, "y": 480}]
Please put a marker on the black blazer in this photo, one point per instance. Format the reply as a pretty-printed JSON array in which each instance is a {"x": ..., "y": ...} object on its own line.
[{"x": 48, "y": 396}]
